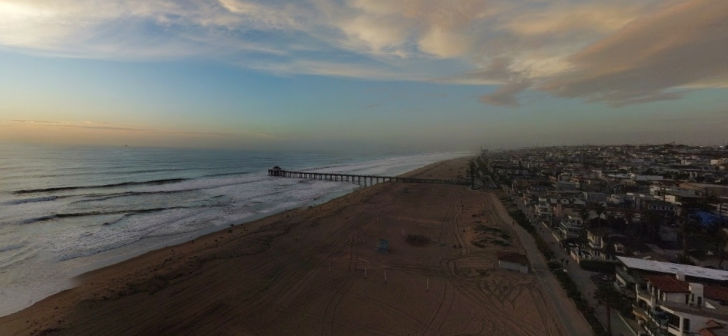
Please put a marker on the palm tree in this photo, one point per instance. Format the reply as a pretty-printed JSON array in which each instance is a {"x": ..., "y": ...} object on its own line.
[
  {"x": 584, "y": 214},
  {"x": 629, "y": 221},
  {"x": 605, "y": 297},
  {"x": 651, "y": 223},
  {"x": 600, "y": 210},
  {"x": 471, "y": 172},
  {"x": 720, "y": 239},
  {"x": 688, "y": 229}
]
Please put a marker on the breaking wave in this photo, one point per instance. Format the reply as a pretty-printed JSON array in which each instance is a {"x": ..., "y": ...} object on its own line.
[{"x": 113, "y": 185}]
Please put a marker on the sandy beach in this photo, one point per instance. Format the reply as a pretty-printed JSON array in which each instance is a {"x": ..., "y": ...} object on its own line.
[{"x": 317, "y": 271}]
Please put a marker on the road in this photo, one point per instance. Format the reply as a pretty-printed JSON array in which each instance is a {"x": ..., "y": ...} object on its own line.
[
  {"x": 579, "y": 276},
  {"x": 576, "y": 327}
]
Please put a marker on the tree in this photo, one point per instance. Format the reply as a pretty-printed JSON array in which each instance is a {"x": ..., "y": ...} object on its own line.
[
  {"x": 608, "y": 296},
  {"x": 605, "y": 297},
  {"x": 651, "y": 224},
  {"x": 600, "y": 211},
  {"x": 584, "y": 214},
  {"x": 720, "y": 239},
  {"x": 471, "y": 171},
  {"x": 688, "y": 229}
]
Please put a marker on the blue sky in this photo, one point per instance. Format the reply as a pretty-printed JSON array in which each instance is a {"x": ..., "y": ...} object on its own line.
[{"x": 339, "y": 74}]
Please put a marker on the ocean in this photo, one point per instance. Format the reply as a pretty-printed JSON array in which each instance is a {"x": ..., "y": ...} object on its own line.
[{"x": 68, "y": 210}]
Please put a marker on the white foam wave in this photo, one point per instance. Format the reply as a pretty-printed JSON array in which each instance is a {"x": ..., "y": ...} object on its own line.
[{"x": 57, "y": 245}]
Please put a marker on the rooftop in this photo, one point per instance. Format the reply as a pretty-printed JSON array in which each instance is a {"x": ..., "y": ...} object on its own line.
[
  {"x": 708, "y": 185},
  {"x": 716, "y": 293},
  {"x": 671, "y": 268},
  {"x": 720, "y": 313},
  {"x": 513, "y": 257},
  {"x": 667, "y": 284},
  {"x": 713, "y": 329}
]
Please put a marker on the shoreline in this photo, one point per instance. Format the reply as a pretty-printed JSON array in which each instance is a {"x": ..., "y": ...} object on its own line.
[
  {"x": 214, "y": 230},
  {"x": 262, "y": 269},
  {"x": 146, "y": 245},
  {"x": 77, "y": 273}
]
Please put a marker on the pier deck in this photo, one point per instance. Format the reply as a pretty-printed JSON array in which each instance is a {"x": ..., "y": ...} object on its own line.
[{"x": 371, "y": 179}]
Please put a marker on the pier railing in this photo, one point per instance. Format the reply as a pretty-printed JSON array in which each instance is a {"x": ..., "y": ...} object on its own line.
[{"x": 371, "y": 179}]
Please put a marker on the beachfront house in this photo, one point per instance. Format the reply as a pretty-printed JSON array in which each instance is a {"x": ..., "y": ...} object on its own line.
[
  {"x": 570, "y": 227},
  {"x": 670, "y": 305},
  {"x": 673, "y": 299}
]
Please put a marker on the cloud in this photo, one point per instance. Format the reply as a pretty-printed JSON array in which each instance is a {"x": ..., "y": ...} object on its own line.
[
  {"x": 36, "y": 122},
  {"x": 616, "y": 52},
  {"x": 506, "y": 94},
  {"x": 682, "y": 45},
  {"x": 106, "y": 126},
  {"x": 500, "y": 71}
]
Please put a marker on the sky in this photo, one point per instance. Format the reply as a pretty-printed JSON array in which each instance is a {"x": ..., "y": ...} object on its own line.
[{"x": 409, "y": 75}]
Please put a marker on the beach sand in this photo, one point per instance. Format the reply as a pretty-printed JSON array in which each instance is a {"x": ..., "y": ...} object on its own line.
[{"x": 318, "y": 271}]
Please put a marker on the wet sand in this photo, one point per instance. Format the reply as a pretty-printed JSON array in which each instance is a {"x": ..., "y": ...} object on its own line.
[{"x": 317, "y": 271}]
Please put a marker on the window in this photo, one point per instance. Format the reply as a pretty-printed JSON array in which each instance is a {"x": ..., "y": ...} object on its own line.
[
  {"x": 673, "y": 321},
  {"x": 686, "y": 325}
]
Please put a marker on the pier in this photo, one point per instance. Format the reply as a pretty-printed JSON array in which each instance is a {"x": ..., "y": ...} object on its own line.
[{"x": 371, "y": 179}]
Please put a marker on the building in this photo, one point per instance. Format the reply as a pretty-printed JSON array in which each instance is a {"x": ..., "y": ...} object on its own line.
[
  {"x": 630, "y": 271},
  {"x": 713, "y": 329},
  {"x": 670, "y": 305},
  {"x": 708, "y": 189},
  {"x": 603, "y": 244},
  {"x": 596, "y": 242},
  {"x": 513, "y": 261},
  {"x": 595, "y": 197},
  {"x": 570, "y": 227},
  {"x": 275, "y": 171},
  {"x": 673, "y": 299}
]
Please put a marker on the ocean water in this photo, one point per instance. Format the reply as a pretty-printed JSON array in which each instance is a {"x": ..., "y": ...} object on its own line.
[{"x": 68, "y": 210}]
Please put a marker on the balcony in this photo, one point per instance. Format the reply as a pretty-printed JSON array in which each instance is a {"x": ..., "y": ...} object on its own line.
[
  {"x": 596, "y": 245},
  {"x": 640, "y": 313},
  {"x": 626, "y": 277},
  {"x": 645, "y": 296},
  {"x": 653, "y": 328}
]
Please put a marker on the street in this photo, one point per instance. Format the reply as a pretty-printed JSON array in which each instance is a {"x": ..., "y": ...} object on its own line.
[{"x": 577, "y": 274}]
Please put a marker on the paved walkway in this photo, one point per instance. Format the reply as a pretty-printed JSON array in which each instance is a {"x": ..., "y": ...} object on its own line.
[
  {"x": 580, "y": 277},
  {"x": 569, "y": 316}
]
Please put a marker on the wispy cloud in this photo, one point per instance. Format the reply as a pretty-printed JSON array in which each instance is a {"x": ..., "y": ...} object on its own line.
[
  {"x": 506, "y": 94},
  {"x": 42, "y": 122},
  {"x": 616, "y": 52},
  {"x": 106, "y": 126},
  {"x": 679, "y": 46}
]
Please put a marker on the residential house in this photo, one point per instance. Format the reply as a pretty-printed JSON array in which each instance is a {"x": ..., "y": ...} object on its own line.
[
  {"x": 670, "y": 305},
  {"x": 630, "y": 271},
  {"x": 570, "y": 227},
  {"x": 603, "y": 244}
]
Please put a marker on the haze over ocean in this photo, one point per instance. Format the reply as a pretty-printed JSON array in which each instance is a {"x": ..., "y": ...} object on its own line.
[{"x": 67, "y": 210}]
